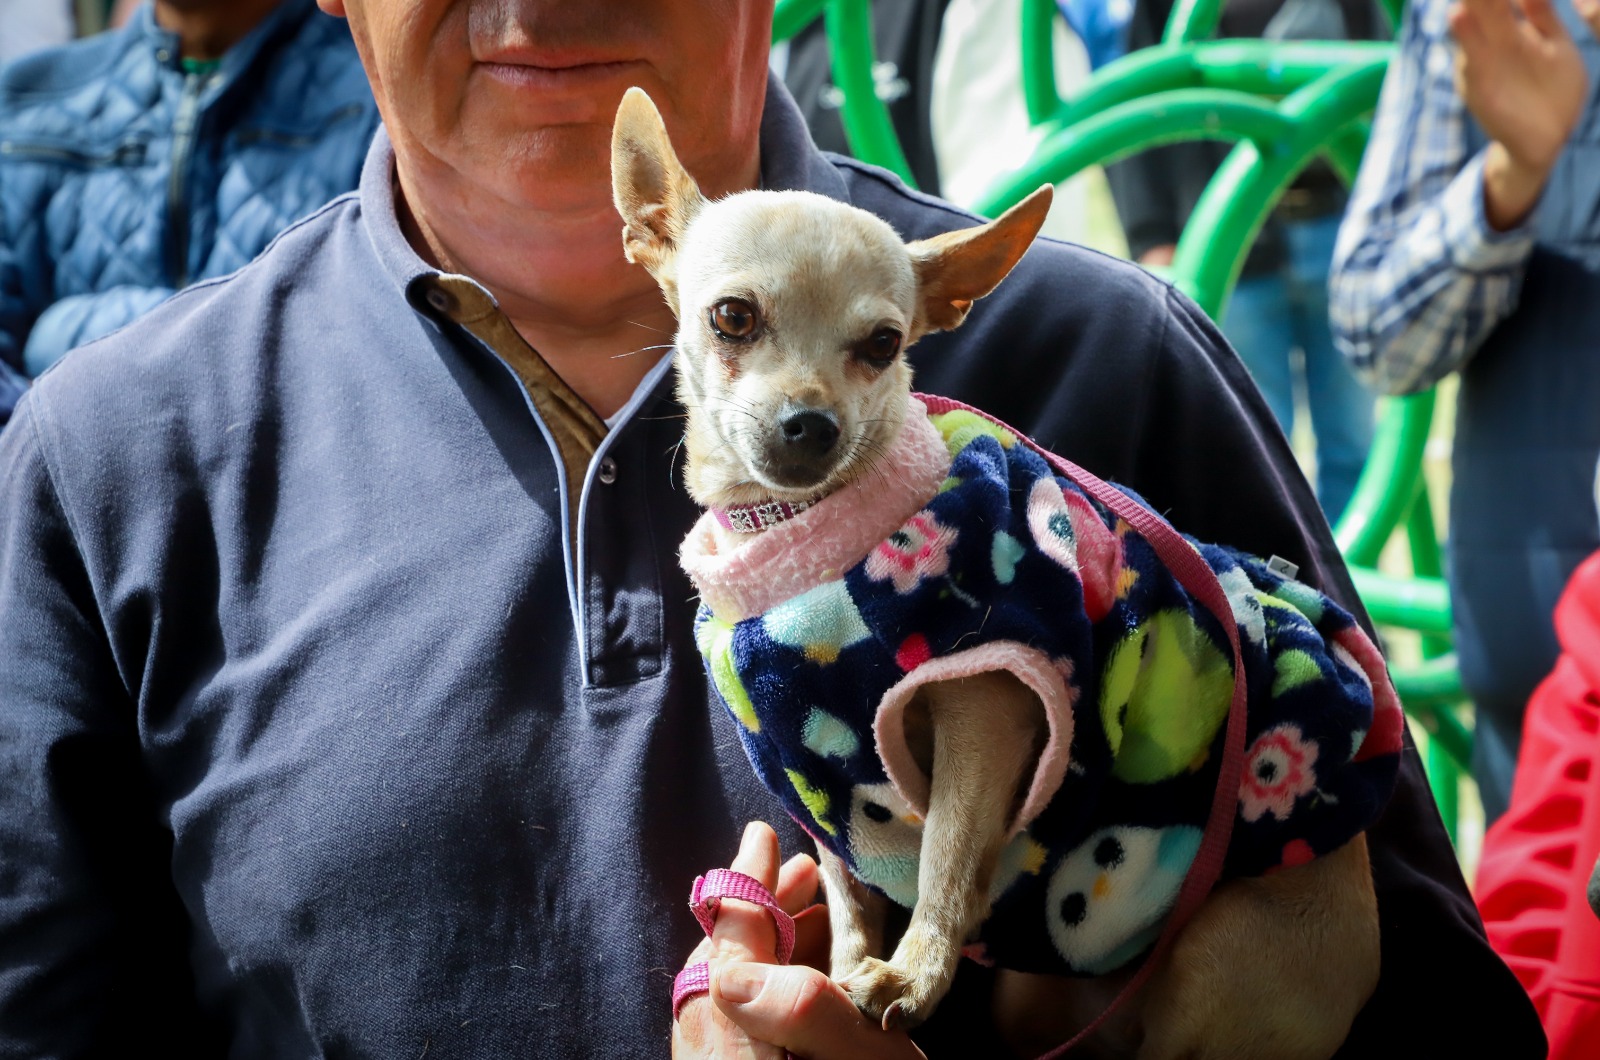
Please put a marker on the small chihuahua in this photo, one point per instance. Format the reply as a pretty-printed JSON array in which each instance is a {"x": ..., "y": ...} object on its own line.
[{"x": 794, "y": 313}]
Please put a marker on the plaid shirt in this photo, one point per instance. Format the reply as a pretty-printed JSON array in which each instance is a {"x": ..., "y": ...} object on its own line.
[{"x": 1419, "y": 279}]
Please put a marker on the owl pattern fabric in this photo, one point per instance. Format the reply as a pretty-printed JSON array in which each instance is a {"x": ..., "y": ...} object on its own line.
[{"x": 967, "y": 553}]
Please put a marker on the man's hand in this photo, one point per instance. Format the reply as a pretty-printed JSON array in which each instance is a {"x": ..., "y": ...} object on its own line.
[
  {"x": 1523, "y": 79},
  {"x": 757, "y": 1008}
]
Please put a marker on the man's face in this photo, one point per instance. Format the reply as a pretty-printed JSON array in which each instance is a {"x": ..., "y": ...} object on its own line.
[{"x": 517, "y": 97}]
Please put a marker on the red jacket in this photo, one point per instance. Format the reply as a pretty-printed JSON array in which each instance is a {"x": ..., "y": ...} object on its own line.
[{"x": 1537, "y": 858}]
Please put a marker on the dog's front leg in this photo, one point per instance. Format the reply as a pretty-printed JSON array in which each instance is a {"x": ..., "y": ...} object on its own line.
[
  {"x": 987, "y": 733},
  {"x": 856, "y": 915}
]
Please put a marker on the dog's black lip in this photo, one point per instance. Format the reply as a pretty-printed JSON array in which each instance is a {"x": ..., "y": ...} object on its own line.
[{"x": 796, "y": 476}]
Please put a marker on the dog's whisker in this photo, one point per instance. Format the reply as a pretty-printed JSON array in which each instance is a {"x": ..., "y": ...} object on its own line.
[
  {"x": 649, "y": 327},
  {"x": 641, "y": 349}
]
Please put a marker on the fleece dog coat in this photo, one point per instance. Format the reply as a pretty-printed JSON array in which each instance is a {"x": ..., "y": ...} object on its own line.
[{"x": 968, "y": 554}]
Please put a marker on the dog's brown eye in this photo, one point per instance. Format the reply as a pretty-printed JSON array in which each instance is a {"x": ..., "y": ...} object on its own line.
[
  {"x": 735, "y": 320},
  {"x": 879, "y": 348}
]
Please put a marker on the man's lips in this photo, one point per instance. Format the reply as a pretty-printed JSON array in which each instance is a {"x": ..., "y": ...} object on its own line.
[{"x": 555, "y": 73}]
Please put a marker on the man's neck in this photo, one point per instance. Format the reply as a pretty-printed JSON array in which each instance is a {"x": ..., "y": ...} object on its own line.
[
  {"x": 598, "y": 321},
  {"x": 207, "y": 30},
  {"x": 561, "y": 278}
]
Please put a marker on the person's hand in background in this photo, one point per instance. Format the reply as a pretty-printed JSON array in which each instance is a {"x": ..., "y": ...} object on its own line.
[{"x": 1521, "y": 75}]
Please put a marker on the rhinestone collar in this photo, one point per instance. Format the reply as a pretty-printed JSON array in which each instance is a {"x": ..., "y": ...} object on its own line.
[{"x": 754, "y": 518}]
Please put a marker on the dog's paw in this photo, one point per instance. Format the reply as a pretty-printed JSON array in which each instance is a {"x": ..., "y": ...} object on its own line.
[{"x": 891, "y": 996}]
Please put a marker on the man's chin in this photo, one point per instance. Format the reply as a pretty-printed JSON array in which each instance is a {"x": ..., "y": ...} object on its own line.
[{"x": 564, "y": 168}]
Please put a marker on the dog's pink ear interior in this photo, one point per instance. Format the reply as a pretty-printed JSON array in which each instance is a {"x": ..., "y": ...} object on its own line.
[
  {"x": 955, "y": 269},
  {"x": 652, "y": 191}
]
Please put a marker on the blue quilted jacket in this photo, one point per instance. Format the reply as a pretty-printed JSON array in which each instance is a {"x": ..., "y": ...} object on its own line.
[{"x": 124, "y": 178}]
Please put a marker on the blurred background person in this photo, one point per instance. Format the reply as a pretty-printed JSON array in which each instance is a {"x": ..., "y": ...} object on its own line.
[
  {"x": 1472, "y": 243},
  {"x": 1538, "y": 872},
  {"x": 168, "y": 151},
  {"x": 28, "y": 25},
  {"x": 122, "y": 10},
  {"x": 1277, "y": 319}
]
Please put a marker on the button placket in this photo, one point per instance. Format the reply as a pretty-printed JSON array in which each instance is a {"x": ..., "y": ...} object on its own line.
[{"x": 622, "y": 620}]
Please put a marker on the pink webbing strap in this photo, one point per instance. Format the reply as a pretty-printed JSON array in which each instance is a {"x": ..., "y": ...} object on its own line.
[
  {"x": 704, "y": 902},
  {"x": 1198, "y": 578},
  {"x": 694, "y": 980}
]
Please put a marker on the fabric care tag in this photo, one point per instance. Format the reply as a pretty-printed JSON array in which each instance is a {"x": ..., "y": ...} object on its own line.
[{"x": 1282, "y": 567}]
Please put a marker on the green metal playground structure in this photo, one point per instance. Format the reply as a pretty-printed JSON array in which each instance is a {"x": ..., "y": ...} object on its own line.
[{"x": 1282, "y": 104}]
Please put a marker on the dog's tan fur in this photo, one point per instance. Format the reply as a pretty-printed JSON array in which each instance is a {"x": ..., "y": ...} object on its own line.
[{"x": 1274, "y": 968}]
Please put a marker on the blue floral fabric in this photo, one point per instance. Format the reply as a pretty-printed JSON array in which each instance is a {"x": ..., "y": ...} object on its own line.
[{"x": 1007, "y": 553}]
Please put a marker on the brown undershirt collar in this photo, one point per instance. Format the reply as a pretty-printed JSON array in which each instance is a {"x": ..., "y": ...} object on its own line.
[{"x": 576, "y": 428}]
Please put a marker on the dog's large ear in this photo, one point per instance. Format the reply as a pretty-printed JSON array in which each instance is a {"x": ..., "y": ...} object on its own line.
[
  {"x": 653, "y": 192},
  {"x": 955, "y": 269}
]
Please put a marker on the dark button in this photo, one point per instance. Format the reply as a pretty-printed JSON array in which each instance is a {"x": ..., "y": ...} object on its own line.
[
  {"x": 608, "y": 471},
  {"x": 442, "y": 300}
]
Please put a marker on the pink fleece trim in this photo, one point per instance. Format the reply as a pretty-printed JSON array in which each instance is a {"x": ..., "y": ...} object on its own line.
[
  {"x": 1029, "y": 665},
  {"x": 1388, "y": 718},
  {"x": 825, "y": 540}
]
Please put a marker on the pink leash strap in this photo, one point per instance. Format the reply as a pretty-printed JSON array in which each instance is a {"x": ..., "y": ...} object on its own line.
[
  {"x": 705, "y": 900},
  {"x": 1200, "y": 580}
]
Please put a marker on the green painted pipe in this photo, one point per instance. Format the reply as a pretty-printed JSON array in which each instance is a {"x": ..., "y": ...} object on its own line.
[
  {"x": 1134, "y": 76},
  {"x": 1344, "y": 153},
  {"x": 791, "y": 16},
  {"x": 1389, "y": 481},
  {"x": 1121, "y": 130},
  {"x": 1277, "y": 68},
  {"x": 1262, "y": 67},
  {"x": 865, "y": 117},
  {"x": 1438, "y": 720},
  {"x": 1250, "y": 180},
  {"x": 1192, "y": 20},
  {"x": 1431, "y": 683},
  {"x": 1431, "y": 691},
  {"x": 1417, "y": 603},
  {"x": 1039, "y": 89},
  {"x": 1445, "y": 762},
  {"x": 1396, "y": 10}
]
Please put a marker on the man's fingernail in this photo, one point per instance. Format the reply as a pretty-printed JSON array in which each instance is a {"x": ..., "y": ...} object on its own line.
[
  {"x": 741, "y": 983},
  {"x": 749, "y": 834}
]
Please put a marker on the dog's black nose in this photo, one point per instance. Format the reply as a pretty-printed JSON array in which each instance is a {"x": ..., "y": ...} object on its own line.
[{"x": 809, "y": 433}]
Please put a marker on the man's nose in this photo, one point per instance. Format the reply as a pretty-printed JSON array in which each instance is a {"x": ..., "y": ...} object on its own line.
[{"x": 808, "y": 433}]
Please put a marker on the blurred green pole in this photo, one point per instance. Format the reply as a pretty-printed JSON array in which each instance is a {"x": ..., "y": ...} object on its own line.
[
  {"x": 866, "y": 118},
  {"x": 1250, "y": 180},
  {"x": 791, "y": 16},
  {"x": 1169, "y": 117},
  {"x": 1192, "y": 20},
  {"x": 1039, "y": 88},
  {"x": 1444, "y": 766},
  {"x": 1390, "y": 480}
]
